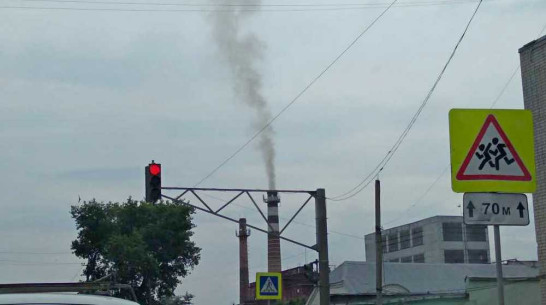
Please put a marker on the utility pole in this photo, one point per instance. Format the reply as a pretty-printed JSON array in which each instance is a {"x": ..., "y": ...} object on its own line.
[
  {"x": 322, "y": 245},
  {"x": 500, "y": 284},
  {"x": 378, "y": 246}
]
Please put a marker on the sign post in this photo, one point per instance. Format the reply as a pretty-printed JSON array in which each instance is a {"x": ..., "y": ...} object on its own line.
[
  {"x": 498, "y": 264},
  {"x": 493, "y": 162}
]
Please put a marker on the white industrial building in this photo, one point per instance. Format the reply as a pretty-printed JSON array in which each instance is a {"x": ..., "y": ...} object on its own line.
[{"x": 438, "y": 239}]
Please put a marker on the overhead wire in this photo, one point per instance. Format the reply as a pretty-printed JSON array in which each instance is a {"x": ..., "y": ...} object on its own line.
[
  {"x": 217, "y": 8},
  {"x": 296, "y": 98},
  {"x": 431, "y": 186},
  {"x": 497, "y": 98},
  {"x": 33, "y": 253},
  {"x": 254, "y": 5},
  {"x": 388, "y": 156},
  {"x": 512, "y": 76}
]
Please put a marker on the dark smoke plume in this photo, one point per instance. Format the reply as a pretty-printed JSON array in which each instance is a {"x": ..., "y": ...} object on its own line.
[{"x": 243, "y": 52}]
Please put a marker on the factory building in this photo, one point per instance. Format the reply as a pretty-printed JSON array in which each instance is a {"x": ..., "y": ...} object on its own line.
[{"x": 438, "y": 239}]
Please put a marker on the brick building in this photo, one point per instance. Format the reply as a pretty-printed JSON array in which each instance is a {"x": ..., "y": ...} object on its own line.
[
  {"x": 533, "y": 74},
  {"x": 296, "y": 285}
]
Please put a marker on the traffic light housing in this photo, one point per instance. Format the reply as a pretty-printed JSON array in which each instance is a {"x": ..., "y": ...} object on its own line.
[
  {"x": 310, "y": 272},
  {"x": 153, "y": 182}
]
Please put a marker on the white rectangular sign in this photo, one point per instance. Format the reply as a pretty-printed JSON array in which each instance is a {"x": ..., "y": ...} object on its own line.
[{"x": 495, "y": 209}]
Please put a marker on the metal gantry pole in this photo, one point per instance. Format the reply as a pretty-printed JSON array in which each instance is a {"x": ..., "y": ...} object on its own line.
[
  {"x": 378, "y": 246},
  {"x": 322, "y": 247},
  {"x": 498, "y": 258}
]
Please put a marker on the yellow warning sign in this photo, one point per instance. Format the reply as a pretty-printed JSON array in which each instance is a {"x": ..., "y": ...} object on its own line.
[{"x": 492, "y": 151}]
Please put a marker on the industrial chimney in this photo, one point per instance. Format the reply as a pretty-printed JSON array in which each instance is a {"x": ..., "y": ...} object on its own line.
[
  {"x": 273, "y": 241},
  {"x": 243, "y": 234}
]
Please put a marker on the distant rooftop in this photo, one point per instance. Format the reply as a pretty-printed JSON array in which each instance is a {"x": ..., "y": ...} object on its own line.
[
  {"x": 359, "y": 277},
  {"x": 534, "y": 43}
]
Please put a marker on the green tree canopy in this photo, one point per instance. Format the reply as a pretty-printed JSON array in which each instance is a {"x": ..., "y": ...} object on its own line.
[{"x": 145, "y": 245}]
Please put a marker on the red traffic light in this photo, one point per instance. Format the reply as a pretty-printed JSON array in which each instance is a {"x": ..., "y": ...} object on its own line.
[{"x": 155, "y": 169}]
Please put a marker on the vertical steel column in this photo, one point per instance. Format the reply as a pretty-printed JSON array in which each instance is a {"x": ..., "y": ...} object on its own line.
[
  {"x": 322, "y": 246},
  {"x": 498, "y": 258},
  {"x": 378, "y": 246}
]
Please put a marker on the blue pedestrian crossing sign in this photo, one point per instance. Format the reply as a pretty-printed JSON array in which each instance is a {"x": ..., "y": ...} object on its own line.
[{"x": 268, "y": 286}]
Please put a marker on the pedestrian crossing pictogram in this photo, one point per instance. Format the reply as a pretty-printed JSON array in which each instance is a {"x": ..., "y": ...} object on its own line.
[{"x": 268, "y": 286}]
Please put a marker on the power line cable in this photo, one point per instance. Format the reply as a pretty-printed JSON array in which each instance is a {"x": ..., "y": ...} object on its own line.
[
  {"x": 356, "y": 190},
  {"x": 80, "y": 270},
  {"x": 298, "y": 95},
  {"x": 501, "y": 93},
  {"x": 196, "y": 8},
  {"x": 33, "y": 253},
  {"x": 505, "y": 86},
  {"x": 16, "y": 262},
  {"x": 513, "y": 74},
  {"x": 404, "y": 213},
  {"x": 246, "y": 5}
]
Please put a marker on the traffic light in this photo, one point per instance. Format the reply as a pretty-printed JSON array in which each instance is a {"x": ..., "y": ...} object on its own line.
[
  {"x": 153, "y": 182},
  {"x": 310, "y": 273}
]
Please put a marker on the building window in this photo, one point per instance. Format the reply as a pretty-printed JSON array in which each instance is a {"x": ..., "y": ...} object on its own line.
[
  {"x": 454, "y": 256},
  {"x": 396, "y": 260},
  {"x": 476, "y": 233},
  {"x": 384, "y": 243},
  {"x": 419, "y": 258},
  {"x": 453, "y": 231},
  {"x": 404, "y": 239},
  {"x": 406, "y": 259},
  {"x": 393, "y": 242},
  {"x": 478, "y": 257},
  {"x": 417, "y": 236}
]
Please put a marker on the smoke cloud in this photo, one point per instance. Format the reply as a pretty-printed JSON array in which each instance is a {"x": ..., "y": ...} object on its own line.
[{"x": 242, "y": 52}]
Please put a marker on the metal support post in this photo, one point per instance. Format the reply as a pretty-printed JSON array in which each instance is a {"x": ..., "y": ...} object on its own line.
[
  {"x": 322, "y": 247},
  {"x": 378, "y": 246},
  {"x": 498, "y": 258}
]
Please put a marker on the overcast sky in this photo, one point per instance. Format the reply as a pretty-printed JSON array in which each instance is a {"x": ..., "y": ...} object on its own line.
[{"x": 89, "y": 97}]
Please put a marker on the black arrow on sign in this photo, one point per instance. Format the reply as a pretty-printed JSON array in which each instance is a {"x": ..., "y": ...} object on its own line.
[
  {"x": 520, "y": 208},
  {"x": 470, "y": 208}
]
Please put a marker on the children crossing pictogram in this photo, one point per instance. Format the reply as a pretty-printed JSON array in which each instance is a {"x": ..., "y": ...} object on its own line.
[{"x": 493, "y": 157}]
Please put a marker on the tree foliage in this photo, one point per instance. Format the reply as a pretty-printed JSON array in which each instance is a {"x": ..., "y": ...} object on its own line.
[{"x": 145, "y": 245}]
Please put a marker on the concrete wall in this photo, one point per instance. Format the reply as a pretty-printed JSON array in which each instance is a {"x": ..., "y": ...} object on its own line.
[
  {"x": 533, "y": 74},
  {"x": 517, "y": 291},
  {"x": 479, "y": 292}
]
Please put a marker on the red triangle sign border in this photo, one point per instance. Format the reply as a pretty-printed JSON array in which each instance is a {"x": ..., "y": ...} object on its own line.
[{"x": 492, "y": 120}]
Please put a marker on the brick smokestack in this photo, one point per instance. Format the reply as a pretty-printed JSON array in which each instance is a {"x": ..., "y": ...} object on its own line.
[
  {"x": 273, "y": 241},
  {"x": 243, "y": 234}
]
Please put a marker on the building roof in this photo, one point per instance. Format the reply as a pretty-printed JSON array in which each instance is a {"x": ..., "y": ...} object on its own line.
[
  {"x": 534, "y": 43},
  {"x": 359, "y": 277}
]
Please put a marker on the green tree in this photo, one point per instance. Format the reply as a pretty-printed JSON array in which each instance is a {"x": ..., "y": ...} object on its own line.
[{"x": 145, "y": 245}]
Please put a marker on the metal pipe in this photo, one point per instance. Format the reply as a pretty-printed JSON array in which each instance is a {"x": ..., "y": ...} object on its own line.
[{"x": 237, "y": 190}]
